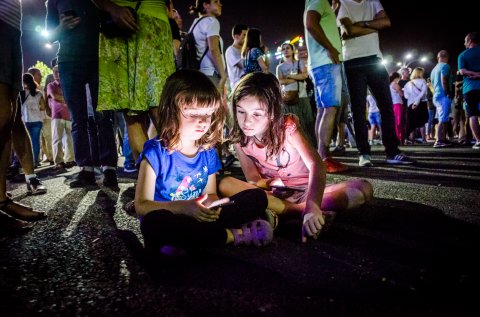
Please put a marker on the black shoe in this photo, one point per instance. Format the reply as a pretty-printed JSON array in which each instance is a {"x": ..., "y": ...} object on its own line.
[
  {"x": 35, "y": 187},
  {"x": 83, "y": 179},
  {"x": 70, "y": 164},
  {"x": 60, "y": 167},
  {"x": 129, "y": 167},
  {"x": 110, "y": 178}
]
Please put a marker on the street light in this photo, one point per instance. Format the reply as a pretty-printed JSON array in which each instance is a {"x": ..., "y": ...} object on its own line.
[{"x": 406, "y": 63}]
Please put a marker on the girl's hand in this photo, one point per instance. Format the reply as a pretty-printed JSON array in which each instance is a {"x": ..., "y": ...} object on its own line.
[
  {"x": 194, "y": 208},
  {"x": 313, "y": 222},
  {"x": 264, "y": 183}
]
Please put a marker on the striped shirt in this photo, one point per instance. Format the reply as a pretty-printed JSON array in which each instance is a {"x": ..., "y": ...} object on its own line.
[{"x": 11, "y": 12}]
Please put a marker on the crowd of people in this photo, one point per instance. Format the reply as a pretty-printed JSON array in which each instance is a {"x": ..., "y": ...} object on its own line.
[{"x": 182, "y": 128}]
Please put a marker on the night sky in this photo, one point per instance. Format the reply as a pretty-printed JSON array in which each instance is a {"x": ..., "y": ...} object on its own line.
[{"x": 424, "y": 30}]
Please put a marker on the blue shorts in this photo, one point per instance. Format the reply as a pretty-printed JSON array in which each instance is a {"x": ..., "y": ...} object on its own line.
[
  {"x": 375, "y": 118},
  {"x": 328, "y": 85},
  {"x": 443, "y": 105}
]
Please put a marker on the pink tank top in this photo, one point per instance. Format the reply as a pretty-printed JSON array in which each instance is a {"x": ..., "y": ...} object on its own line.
[{"x": 287, "y": 164}]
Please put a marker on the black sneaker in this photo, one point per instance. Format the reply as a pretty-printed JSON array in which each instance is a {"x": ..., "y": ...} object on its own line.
[
  {"x": 400, "y": 159},
  {"x": 35, "y": 187},
  {"x": 110, "y": 178},
  {"x": 129, "y": 167},
  {"x": 83, "y": 179}
]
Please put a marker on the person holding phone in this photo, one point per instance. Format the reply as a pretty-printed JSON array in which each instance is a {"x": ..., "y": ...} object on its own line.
[
  {"x": 273, "y": 151},
  {"x": 176, "y": 194}
]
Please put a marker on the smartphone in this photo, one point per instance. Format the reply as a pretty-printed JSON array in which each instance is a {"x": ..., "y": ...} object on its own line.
[
  {"x": 70, "y": 13},
  {"x": 298, "y": 189},
  {"x": 221, "y": 203}
]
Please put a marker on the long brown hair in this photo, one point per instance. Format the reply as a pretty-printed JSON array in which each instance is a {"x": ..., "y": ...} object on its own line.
[
  {"x": 266, "y": 88},
  {"x": 187, "y": 88}
]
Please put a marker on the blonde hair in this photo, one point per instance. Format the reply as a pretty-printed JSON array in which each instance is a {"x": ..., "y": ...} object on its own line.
[
  {"x": 417, "y": 73},
  {"x": 186, "y": 88}
]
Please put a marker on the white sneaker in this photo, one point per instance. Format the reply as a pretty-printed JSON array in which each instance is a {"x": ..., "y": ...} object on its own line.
[
  {"x": 476, "y": 146},
  {"x": 365, "y": 161}
]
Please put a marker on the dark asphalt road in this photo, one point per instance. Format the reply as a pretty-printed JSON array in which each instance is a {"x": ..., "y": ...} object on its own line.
[{"x": 412, "y": 251}]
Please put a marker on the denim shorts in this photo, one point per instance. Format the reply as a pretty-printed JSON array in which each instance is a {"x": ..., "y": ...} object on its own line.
[
  {"x": 443, "y": 105},
  {"x": 328, "y": 85},
  {"x": 375, "y": 118}
]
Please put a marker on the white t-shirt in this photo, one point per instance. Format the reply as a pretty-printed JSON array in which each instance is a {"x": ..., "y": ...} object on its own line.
[
  {"x": 31, "y": 108},
  {"x": 285, "y": 69},
  {"x": 365, "y": 45},
  {"x": 234, "y": 59},
  {"x": 206, "y": 28},
  {"x": 372, "y": 104}
]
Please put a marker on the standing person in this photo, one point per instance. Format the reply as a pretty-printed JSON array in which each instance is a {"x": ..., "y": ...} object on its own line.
[
  {"x": 374, "y": 119},
  {"x": 11, "y": 213},
  {"x": 177, "y": 181},
  {"x": 417, "y": 111},
  {"x": 324, "y": 64},
  {"x": 61, "y": 125},
  {"x": 133, "y": 71},
  {"x": 46, "y": 134},
  {"x": 255, "y": 53},
  {"x": 291, "y": 74},
  {"x": 469, "y": 66},
  {"x": 209, "y": 43},
  {"x": 75, "y": 25},
  {"x": 274, "y": 152},
  {"x": 441, "y": 77},
  {"x": 233, "y": 54},
  {"x": 33, "y": 112},
  {"x": 398, "y": 111},
  {"x": 404, "y": 79},
  {"x": 360, "y": 22}
]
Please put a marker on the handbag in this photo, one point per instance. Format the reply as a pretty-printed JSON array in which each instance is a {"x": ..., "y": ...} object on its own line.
[
  {"x": 110, "y": 29},
  {"x": 292, "y": 97}
]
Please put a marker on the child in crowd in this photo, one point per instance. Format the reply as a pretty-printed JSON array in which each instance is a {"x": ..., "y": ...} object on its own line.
[
  {"x": 274, "y": 152},
  {"x": 177, "y": 175}
]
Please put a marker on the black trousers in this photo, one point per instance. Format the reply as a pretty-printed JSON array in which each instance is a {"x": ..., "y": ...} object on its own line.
[{"x": 162, "y": 227}]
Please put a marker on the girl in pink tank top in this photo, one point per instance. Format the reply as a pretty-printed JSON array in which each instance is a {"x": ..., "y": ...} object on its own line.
[{"x": 275, "y": 155}]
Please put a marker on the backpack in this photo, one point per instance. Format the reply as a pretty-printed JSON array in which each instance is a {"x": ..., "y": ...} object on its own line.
[{"x": 187, "y": 54}]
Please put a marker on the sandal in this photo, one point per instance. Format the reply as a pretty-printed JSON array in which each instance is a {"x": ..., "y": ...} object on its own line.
[
  {"x": 19, "y": 211},
  {"x": 272, "y": 218},
  {"x": 10, "y": 225},
  {"x": 258, "y": 232}
]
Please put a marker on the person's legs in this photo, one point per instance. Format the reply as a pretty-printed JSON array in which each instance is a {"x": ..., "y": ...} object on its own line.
[
  {"x": 73, "y": 80},
  {"x": 46, "y": 139},
  {"x": 7, "y": 108},
  {"x": 347, "y": 195},
  {"x": 68, "y": 142},
  {"x": 22, "y": 144},
  {"x": 357, "y": 85},
  {"x": 137, "y": 133},
  {"x": 230, "y": 186},
  {"x": 57, "y": 133},
  {"x": 378, "y": 83}
]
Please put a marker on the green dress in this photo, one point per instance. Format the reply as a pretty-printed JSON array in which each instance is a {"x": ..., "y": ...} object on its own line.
[{"x": 132, "y": 72}]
